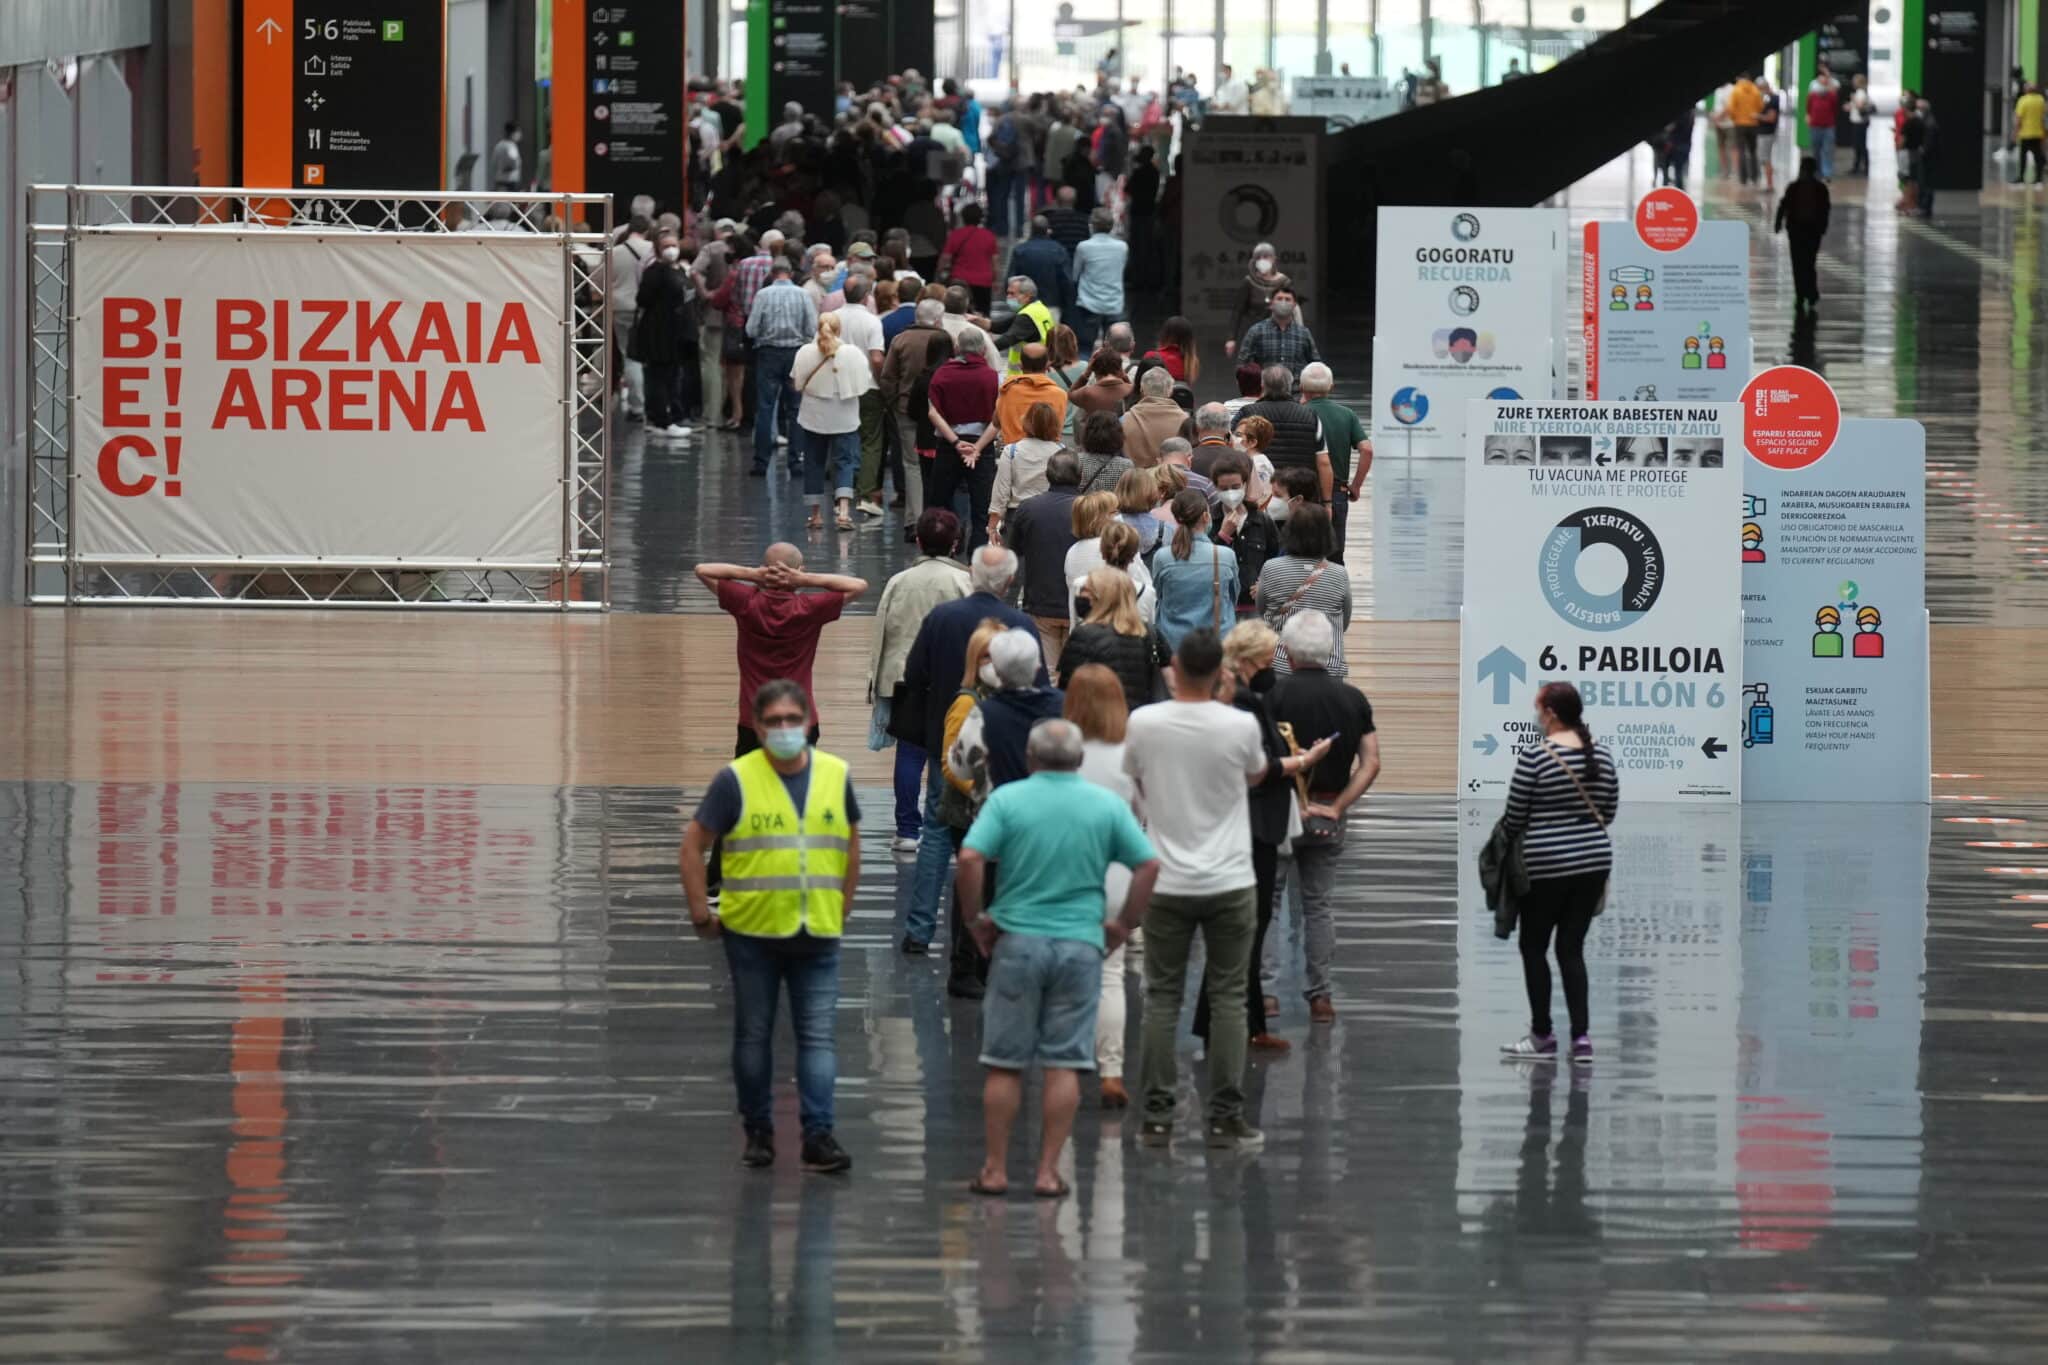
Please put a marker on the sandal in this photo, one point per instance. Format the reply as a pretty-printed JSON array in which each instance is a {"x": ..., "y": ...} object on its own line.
[
  {"x": 817, "y": 521},
  {"x": 845, "y": 523},
  {"x": 1060, "y": 1191},
  {"x": 975, "y": 1186}
]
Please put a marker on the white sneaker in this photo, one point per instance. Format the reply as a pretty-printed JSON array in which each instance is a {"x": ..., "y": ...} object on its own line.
[
  {"x": 902, "y": 847},
  {"x": 780, "y": 439},
  {"x": 870, "y": 509},
  {"x": 677, "y": 430}
]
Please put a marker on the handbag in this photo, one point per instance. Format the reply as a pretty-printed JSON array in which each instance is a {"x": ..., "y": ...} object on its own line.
[
  {"x": 1591, "y": 809},
  {"x": 907, "y": 708},
  {"x": 1318, "y": 831}
]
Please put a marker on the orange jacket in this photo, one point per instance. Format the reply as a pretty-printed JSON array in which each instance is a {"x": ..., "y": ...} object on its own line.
[
  {"x": 1745, "y": 103},
  {"x": 1019, "y": 392}
]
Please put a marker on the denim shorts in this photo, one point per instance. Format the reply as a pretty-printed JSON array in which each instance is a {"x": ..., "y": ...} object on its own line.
[{"x": 1040, "y": 1004}]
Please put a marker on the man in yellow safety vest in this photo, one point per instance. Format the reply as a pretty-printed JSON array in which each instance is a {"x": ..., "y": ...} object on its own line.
[
  {"x": 1030, "y": 323},
  {"x": 790, "y": 862}
]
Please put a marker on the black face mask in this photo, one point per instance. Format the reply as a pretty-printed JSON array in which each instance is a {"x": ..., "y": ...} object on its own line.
[
  {"x": 1263, "y": 680},
  {"x": 1085, "y": 607}
]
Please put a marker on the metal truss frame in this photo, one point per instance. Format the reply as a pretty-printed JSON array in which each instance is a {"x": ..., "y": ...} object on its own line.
[{"x": 56, "y": 575}]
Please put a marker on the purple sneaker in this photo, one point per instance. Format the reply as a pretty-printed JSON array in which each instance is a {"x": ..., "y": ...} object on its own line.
[
  {"x": 1582, "y": 1051},
  {"x": 1531, "y": 1048}
]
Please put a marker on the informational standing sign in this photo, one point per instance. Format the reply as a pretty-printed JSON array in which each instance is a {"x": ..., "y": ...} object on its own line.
[
  {"x": 1465, "y": 306},
  {"x": 335, "y": 101},
  {"x": 288, "y": 397},
  {"x": 1665, "y": 300},
  {"x": 792, "y": 44},
  {"x": 1833, "y": 537},
  {"x": 1596, "y": 554},
  {"x": 620, "y": 123},
  {"x": 1251, "y": 180},
  {"x": 1952, "y": 79}
]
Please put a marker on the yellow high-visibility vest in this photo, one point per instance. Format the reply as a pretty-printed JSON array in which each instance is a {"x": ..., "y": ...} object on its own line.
[
  {"x": 783, "y": 872},
  {"x": 1039, "y": 314}
]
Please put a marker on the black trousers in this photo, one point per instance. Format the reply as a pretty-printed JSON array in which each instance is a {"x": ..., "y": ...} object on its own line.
[
  {"x": 1266, "y": 874},
  {"x": 1805, "y": 269},
  {"x": 1562, "y": 906},
  {"x": 1746, "y": 164},
  {"x": 966, "y": 962},
  {"x": 661, "y": 401},
  {"x": 950, "y": 474}
]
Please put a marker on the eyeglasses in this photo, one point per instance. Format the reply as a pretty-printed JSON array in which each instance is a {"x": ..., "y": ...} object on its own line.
[{"x": 782, "y": 718}]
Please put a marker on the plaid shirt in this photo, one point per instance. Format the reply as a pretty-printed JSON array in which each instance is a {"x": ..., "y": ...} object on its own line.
[
  {"x": 783, "y": 315},
  {"x": 748, "y": 277},
  {"x": 1265, "y": 344}
]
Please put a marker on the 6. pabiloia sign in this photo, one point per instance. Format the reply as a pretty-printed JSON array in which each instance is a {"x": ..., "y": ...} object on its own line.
[
  {"x": 1595, "y": 554},
  {"x": 1251, "y": 180},
  {"x": 1464, "y": 301}
]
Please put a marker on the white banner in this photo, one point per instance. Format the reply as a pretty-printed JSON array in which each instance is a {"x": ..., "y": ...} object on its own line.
[
  {"x": 1466, "y": 307},
  {"x": 286, "y": 397},
  {"x": 1596, "y": 553}
]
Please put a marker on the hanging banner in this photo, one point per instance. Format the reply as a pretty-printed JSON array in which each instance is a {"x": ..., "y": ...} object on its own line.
[
  {"x": 1595, "y": 554},
  {"x": 292, "y": 397},
  {"x": 1835, "y": 663},
  {"x": 1250, "y": 180},
  {"x": 333, "y": 102},
  {"x": 1344, "y": 101},
  {"x": 1465, "y": 301},
  {"x": 1665, "y": 302}
]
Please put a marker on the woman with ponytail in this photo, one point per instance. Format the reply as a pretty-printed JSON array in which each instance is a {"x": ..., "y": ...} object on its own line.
[
  {"x": 1196, "y": 578},
  {"x": 829, "y": 380},
  {"x": 1561, "y": 801}
]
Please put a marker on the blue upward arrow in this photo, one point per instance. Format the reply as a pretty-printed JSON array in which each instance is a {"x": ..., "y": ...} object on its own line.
[{"x": 1501, "y": 666}]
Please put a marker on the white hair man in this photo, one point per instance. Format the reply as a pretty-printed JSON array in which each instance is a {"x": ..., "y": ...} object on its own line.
[
  {"x": 932, "y": 675},
  {"x": 1153, "y": 419},
  {"x": 1311, "y": 702},
  {"x": 1055, "y": 835},
  {"x": 1349, "y": 445},
  {"x": 906, "y": 359}
]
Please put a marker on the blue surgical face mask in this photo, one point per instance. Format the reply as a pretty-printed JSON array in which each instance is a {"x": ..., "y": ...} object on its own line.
[{"x": 785, "y": 741}]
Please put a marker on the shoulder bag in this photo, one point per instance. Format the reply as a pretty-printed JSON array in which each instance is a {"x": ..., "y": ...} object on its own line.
[{"x": 1591, "y": 809}]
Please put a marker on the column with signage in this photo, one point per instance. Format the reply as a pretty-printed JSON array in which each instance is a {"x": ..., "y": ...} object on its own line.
[
  {"x": 1952, "y": 77},
  {"x": 792, "y": 45},
  {"x": 335, "y": 101},
  {"x": 1251, "y": 180},
  {"x": 635, "y": 127},
  {"x": 1842, "y": 42}
]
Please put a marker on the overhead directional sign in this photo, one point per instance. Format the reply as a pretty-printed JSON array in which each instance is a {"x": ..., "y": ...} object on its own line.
[{"x": 336, "y": 94}]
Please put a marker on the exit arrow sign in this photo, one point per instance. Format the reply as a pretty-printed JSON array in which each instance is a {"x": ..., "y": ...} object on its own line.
[{"x": 269, "y": 28}]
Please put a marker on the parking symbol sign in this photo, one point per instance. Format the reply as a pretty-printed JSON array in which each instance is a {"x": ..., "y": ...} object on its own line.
[{"x": 394, "y": 30}]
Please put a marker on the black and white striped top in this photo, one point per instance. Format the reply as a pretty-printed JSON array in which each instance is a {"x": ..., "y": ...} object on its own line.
[{"x": 1560, "y": 837}]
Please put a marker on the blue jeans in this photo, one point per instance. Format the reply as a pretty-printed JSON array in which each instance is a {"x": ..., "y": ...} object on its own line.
[
  {"x": 1088, "y": 326},
  {"x": 1824, "y": 151},
  {"x": 836, "y": 453},
  {"x": 774, "y": 398},
  {"x": 910, "y": 764},
  {"x": 760, "y": 968},
  {"x": 934, "y": 855}
]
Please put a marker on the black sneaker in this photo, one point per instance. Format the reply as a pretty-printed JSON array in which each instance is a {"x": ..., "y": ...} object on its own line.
[
  {"x": 1155, "y": 1134},
  {"x": 916, "y": 948},
  {"x": 822, "y": 1153},
  {"x": 760, "y": 1150},
  {"x": 1235, "y": 1133}
]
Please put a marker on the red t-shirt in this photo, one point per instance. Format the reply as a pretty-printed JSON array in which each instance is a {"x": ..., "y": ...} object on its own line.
[
  {"x": 973, "y": 250},
  {"x": 778, "y": 636}
]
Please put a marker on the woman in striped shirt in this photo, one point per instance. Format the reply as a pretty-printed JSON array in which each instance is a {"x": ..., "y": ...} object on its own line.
[{"x": 1561, "y": 800}]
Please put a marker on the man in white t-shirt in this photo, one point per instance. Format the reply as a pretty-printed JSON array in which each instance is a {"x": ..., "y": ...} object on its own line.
[
  {"x": 1193, "y": 759},
  {"x": 861, "y": 328}
]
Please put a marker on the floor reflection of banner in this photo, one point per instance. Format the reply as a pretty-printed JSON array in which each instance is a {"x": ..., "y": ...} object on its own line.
[
  {"x": 1834, "y": 925},
  {"x": 192, "y": 875},
  {"x": 1665, "y": 964},
  {"x": 1418, "y": 538}
]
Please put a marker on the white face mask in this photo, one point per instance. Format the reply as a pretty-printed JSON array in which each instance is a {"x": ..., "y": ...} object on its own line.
[
  {"x": 1276, "y": 507},
  {"x": 671, "y": 254},
  {"x": 1232, "y": 498},
  {"x": 1263, "y": 264},
  {"x": 987, "y": 674}
]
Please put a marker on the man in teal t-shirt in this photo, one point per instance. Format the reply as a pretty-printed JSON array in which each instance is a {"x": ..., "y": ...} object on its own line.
[
  {"x": 1346, "y": 437},
  {"x": 1053, "y": 837}
]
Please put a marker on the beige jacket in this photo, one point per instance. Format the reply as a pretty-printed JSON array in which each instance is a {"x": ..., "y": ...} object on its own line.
[
  {"x": 906, "y": 600},
  {"x": 1150, "y": 421}
]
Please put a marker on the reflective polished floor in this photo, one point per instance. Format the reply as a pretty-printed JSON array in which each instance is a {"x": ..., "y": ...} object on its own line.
[{"x": 347, "y": 1013}]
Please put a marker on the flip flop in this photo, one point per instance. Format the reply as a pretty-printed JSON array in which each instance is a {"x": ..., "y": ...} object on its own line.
[
  {"x": 975, "y": 1186},
  {"x": 846, "y": 523},
  {"x": 1061, "y": 1192}
]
